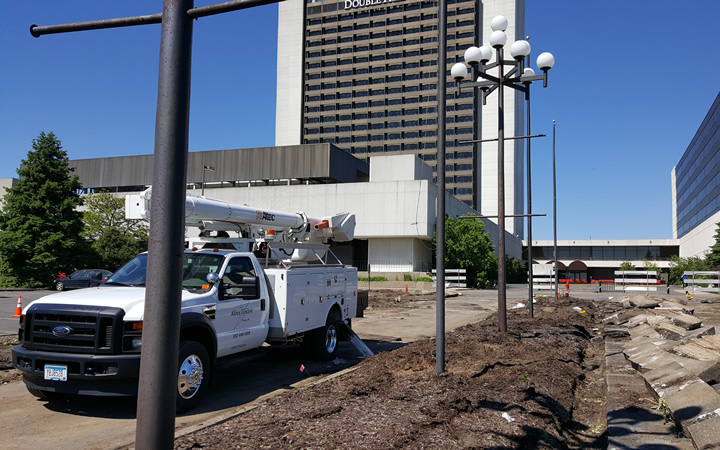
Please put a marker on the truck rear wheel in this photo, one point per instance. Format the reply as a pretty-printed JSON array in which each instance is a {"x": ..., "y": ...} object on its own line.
[
  {"x": 193, "y": 375},
  {"x": 325, "y": 341}
]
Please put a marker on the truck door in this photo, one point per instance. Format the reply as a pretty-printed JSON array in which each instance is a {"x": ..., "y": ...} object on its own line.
[{"x": 241, "y": 315}]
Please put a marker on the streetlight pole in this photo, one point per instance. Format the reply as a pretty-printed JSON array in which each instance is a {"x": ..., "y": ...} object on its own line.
[
  {"x": 205, "y": 169},
  {"x": 555, "y": 252},
  {"x": 529, "y": 197},
  {"x": 516, "y": 78}
]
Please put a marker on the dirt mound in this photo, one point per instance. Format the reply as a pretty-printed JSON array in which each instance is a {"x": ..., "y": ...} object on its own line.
[{"x": 540, "y": 384}]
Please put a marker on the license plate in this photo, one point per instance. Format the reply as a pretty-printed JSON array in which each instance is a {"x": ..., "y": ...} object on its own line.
[{"x": 55, "y": 373}]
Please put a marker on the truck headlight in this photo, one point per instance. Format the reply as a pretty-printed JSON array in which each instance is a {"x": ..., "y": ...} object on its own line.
[{"x": 136, "y": 343}]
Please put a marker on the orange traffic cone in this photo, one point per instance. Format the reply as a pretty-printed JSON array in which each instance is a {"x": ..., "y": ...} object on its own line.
[{"x": 18, "y": 310}]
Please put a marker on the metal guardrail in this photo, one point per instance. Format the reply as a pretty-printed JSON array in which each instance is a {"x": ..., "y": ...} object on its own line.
[
  {"x": 453, "y": 277},
  {"x": 704, "y": 281}
]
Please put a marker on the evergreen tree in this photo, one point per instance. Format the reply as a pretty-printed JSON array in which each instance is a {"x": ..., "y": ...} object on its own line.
[
  {"x": 40, "y": 226},
  {"x": 713, "y": 258}
]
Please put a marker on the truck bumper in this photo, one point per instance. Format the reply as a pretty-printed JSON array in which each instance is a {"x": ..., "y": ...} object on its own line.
[{"x": 87, "y": 374}]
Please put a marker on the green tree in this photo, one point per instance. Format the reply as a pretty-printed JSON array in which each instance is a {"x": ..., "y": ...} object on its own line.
[
  {"x": 40, "y": 226},
  {"x": 115, "y": 239},
  {"x": 627, "y": 265},
  {"x": 713, "y": 258},
  {"x": 651, "y": 266},
  {"x": 680, "y": 265},
  {"x": 468, "y": 246},
  {"x": 516, "y": 271}
]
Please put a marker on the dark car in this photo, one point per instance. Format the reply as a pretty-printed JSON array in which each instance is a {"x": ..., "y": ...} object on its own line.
[{"x": 81, "y": 279}]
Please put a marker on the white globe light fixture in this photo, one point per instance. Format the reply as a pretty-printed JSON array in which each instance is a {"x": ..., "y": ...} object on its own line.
[
  {"x": 498, "y": 39},
  {"x": 499, "y": 23},
  {"x": 458, "y": 71},
  {"x": 520, "y": 49},
  {"x": 472, "y": 55},
  {"x": 545, "y": 61},
  {"x": 486, "y": 54}
]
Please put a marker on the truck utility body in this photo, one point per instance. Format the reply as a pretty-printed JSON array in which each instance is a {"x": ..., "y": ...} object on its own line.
[{"x": 89, "y": 341}]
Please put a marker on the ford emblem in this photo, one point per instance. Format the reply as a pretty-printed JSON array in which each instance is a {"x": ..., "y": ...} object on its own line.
[{"x": 62, "y": 331}]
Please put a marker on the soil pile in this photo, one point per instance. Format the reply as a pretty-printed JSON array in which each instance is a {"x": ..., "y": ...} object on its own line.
[{"x": 541, "y": 384}]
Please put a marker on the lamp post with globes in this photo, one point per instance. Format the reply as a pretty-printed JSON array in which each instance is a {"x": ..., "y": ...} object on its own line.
[{"x": 519, "y": 78}]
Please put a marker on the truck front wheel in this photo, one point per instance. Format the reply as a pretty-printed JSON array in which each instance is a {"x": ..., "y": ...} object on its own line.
[
  {"x": 325, "y": 341},
  {"x": 193, "y": 375}
]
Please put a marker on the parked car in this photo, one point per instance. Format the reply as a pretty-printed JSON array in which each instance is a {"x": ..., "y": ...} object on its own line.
[{"x": 81, "y": 279}]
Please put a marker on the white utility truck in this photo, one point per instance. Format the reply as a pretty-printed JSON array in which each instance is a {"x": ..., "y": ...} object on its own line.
[{"x": 272, "y": 283}]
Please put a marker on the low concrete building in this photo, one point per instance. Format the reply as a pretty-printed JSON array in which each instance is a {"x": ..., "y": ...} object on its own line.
[{"x": 393, "y": 198}]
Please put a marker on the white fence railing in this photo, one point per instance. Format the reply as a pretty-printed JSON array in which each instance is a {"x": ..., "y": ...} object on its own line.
[
  {"x": 453, "y": 278},
  {"x": 636, "y": 280},
  {"x": 543, "y": 276},
  {"x": 705, "y": 281}
]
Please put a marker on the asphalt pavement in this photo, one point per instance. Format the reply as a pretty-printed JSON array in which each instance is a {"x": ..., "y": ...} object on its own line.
[{"x": 8, "y": 306}]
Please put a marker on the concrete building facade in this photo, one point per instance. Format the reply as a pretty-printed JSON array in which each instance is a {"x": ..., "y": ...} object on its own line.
[
  {"x": 393, "y": 198},
  {"x": 696, "y": 188},
  {"x": 362, "y": 75}
]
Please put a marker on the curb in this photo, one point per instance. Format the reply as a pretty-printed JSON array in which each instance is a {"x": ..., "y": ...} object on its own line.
[{"x": 224, "y": 417}]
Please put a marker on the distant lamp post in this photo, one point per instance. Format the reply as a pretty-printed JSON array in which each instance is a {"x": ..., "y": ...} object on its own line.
[
  {"x": 205, "y": 169},
  {"x": 517, "y": 78}
]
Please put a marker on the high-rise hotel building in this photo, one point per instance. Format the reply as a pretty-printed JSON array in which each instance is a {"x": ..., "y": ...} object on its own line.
[{"x": 362, "y": 74}]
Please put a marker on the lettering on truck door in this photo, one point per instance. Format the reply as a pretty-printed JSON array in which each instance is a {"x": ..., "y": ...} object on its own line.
[{"x": 241, "y": 315}]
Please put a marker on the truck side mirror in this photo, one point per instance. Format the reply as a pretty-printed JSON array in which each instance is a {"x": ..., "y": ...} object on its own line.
[
  {"x": 247, "y": 288},
  {"x": 212, "y": 278}
]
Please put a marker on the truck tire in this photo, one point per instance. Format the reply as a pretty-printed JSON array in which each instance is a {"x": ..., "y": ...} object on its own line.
[
  {"x": 325, "y": 341},
  {"x": 193, "y": 375},
  {"x": 59, "y": 286}
]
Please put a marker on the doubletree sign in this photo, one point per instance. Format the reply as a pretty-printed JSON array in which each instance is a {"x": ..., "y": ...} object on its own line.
[{"x": 351, "y": 4}]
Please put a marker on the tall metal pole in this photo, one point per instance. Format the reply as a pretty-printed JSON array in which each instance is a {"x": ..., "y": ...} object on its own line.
[
  {"x": 161, "y": 332},
  {"x": 529, "y": 206},
  {"x": 502, "y": 312},
  {"x": 555, "y": 251},
  {"x": 440, "y": 248}
]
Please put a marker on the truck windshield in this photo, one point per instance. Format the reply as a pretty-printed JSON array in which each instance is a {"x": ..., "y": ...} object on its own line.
[{"x": 196, "y": 267}]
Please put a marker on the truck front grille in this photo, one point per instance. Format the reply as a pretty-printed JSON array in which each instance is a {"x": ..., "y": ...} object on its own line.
[{"x": 73, "y": 328}]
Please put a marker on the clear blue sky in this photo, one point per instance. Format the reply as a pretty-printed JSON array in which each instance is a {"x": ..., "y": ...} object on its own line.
[{"x": 632, "y": 83}]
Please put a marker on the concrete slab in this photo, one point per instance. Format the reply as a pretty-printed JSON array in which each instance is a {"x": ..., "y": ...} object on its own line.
[
  {"x": 656, "y": 320},
  {"x": 640, "y": 301},
  {"x": 662, "y": 378},
  {"x": 706, "y": 348},
  {"x": 620, "y": 317},
  {"x": 684, "y": 320},
  {"x": 670, "y": 331},
  {"x": 705, "y": 432},
  {"x": 677, "y": 306},
  {"x": 705, "y": 370},
  {"x": 698, "y": 333},
  {"x": 615, "y": 360},
  {"x": 645, "y": 344},
  {"x": 691, "y": 401},
  {"x": 636, "y": 320},
  {"x": 643, "y": 330}
]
